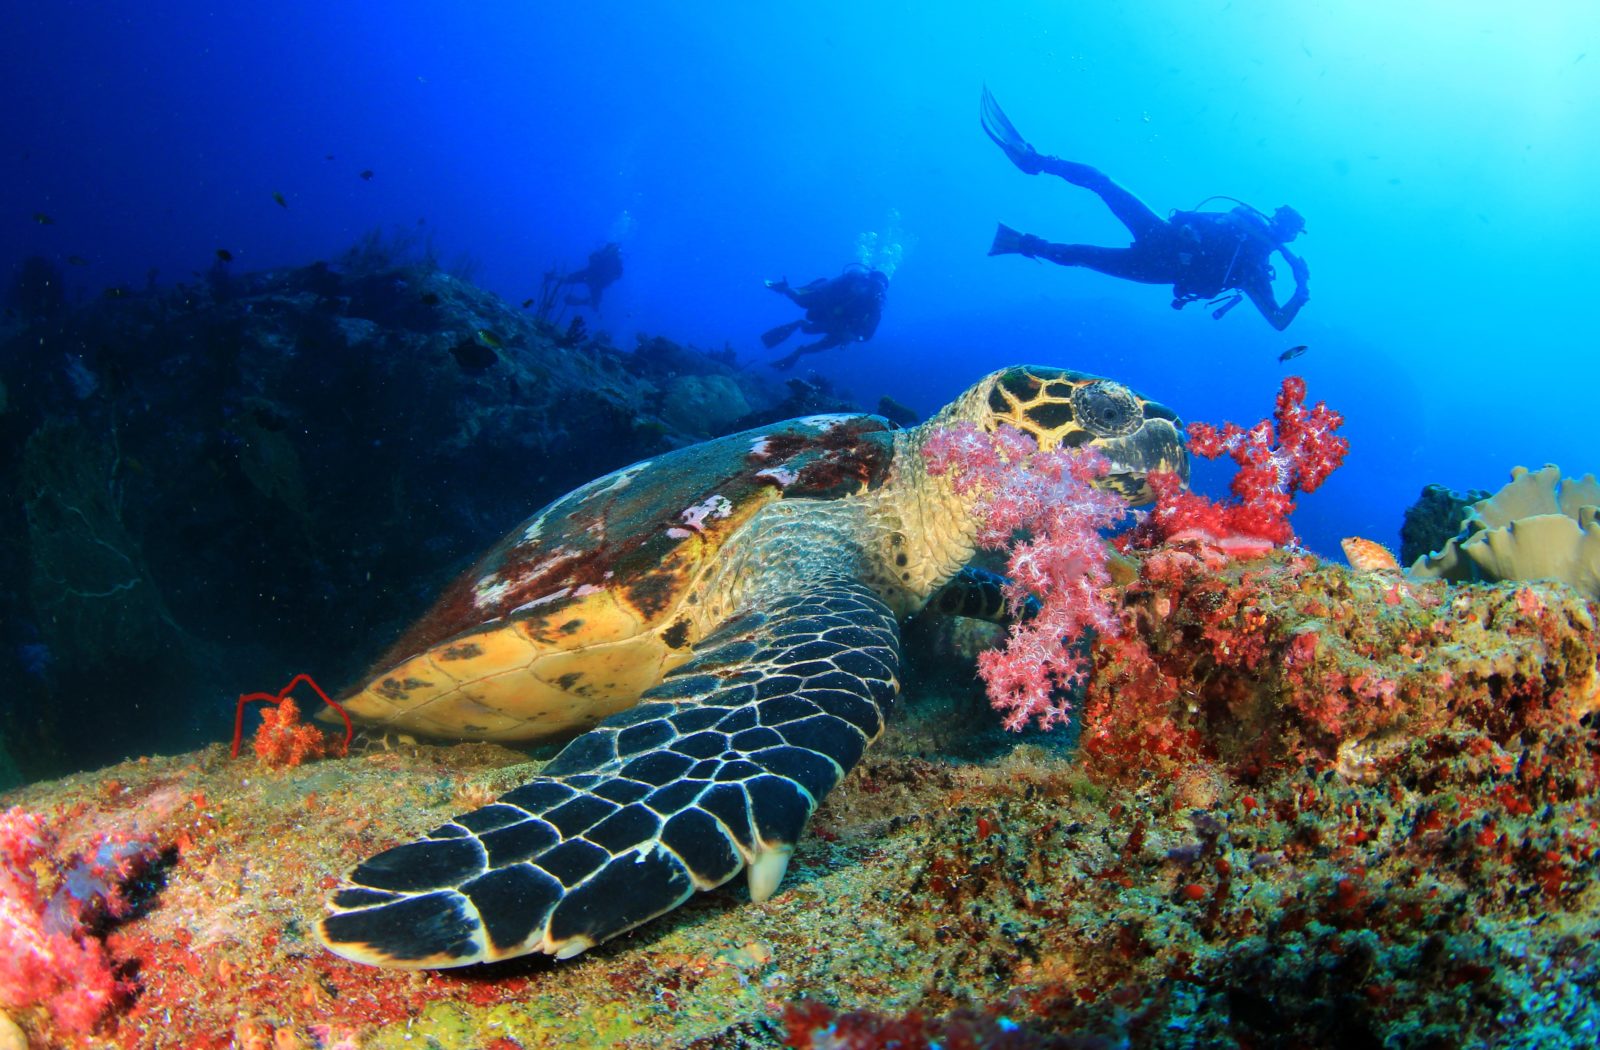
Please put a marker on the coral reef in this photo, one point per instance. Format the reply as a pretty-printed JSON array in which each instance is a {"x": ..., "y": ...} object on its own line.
[
  {"x": 51, "y": 905},
  {"x": 1310, "y": 808},
  {"x": 1539, "y": 526},
  {"x": 815, "y": 1026}
]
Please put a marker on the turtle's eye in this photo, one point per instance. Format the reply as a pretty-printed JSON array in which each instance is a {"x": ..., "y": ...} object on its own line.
[{"x": 1108, "y": 409}]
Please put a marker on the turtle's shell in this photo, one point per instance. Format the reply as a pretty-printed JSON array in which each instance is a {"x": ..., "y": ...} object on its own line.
[{"x": 583, "y": 607}]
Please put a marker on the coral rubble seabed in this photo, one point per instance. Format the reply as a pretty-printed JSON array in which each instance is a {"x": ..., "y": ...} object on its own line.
[{"x": 1310, "y": 807}]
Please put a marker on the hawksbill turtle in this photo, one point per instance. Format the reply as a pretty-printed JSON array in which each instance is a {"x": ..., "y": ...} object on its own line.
[{"x": 720, "y": 626}]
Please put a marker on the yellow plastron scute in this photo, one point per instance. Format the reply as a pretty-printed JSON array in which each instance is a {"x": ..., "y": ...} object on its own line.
[{"x": 1540, "y": 526}]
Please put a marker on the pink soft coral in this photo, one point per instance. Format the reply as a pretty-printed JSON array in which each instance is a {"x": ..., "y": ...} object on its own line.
[
  {"x": 1295, "y": 451},
  {"x": 1051, "y": 499},
  {"x": 47, "y": 954}
]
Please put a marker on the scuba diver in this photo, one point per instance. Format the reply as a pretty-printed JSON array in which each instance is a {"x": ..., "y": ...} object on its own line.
[
  {"x": 1202, "y": 254},
  {"x": 605, "y": 266},
  {"x": 845, "y": 309}
]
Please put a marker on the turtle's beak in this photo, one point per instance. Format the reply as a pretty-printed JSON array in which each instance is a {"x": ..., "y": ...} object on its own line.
[{"x": 1157, "y": 445}]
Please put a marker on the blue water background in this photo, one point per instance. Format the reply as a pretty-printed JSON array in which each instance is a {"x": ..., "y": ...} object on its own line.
[{"x": 1444, "y": 155}]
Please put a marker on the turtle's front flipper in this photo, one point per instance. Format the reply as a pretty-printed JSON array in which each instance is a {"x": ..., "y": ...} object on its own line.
[
  {"x": 717, "y": 768},
  {"x": 979, "y": 594}
]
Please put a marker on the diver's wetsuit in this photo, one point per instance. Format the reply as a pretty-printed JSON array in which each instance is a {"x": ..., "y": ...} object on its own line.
[
  {"x": 1201, "y": 254},
  {"x": 845, "y": 309}
]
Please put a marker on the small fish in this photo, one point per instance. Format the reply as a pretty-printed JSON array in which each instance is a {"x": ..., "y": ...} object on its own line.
[
  {"x": 224, "y": 255},
  {"x": 1292, "y": 353},
  {"x": 527, "y": 303},
  {"x": 1367, "y": 556},
  {"x": 327, "y": 156},
  {"x": 77, "y": 260},
  {"x": 367, "y": 175},
  {"x": 42, "y": 219},
  {"x": 430, "y": 299},
  {"x": 279, "y": 198},
  {"x": 115, "y": 292},
  {"x": 489, "y": 338}
]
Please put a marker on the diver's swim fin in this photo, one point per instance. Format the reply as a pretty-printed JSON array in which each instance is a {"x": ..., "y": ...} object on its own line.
[
  {"x": 1005, "y": 134},
  {"x": 1006, "y": 241},
  {"x": 773, "y": 336}
]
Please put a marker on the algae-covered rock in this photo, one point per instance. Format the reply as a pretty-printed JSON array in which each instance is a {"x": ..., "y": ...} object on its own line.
[
  {"x": 1538, "y": 527},
  {"x": 703, "y": 405}
]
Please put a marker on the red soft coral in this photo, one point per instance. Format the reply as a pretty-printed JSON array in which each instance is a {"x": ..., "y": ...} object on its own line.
[
  {"x": 1050, "y": 499},
  {"x": 1293, "y": 452},
  {"x": 48, "y": 955}
]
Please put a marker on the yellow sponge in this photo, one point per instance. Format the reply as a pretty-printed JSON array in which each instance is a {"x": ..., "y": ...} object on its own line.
[{"x": 1538, "y": 527}]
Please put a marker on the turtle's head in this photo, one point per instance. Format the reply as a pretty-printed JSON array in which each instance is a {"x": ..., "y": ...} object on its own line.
[{"x": 1061, "y": 408}]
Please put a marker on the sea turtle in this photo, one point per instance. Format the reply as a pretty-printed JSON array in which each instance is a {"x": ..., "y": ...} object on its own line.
[{"x": 722, "y": 620}]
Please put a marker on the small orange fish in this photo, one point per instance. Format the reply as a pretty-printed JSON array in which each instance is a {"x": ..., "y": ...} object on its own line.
[{"x": 1367, "y": 556}]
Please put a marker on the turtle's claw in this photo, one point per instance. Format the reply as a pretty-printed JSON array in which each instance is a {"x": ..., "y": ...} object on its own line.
[{"x": 766, "y": 872}]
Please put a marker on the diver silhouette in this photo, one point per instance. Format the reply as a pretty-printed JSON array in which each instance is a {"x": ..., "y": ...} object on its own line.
[
  {"x": 1202, "y": 254},
  {"x": 605, "y": 266},
  {"x": 844, "y": 309}
]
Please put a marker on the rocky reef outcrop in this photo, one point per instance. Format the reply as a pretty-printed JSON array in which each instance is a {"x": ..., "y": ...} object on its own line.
[{"x": 211, "y": 487}]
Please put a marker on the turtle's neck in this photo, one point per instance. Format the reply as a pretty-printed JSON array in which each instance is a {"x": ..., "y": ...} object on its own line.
[{"x": 926, "y": 522}]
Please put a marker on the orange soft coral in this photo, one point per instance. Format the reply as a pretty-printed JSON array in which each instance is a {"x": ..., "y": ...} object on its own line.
[{"x": 284, "y": 740}]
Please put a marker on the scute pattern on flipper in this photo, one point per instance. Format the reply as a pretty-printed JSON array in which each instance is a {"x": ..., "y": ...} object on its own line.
[{"x": 718, "y": 767}]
